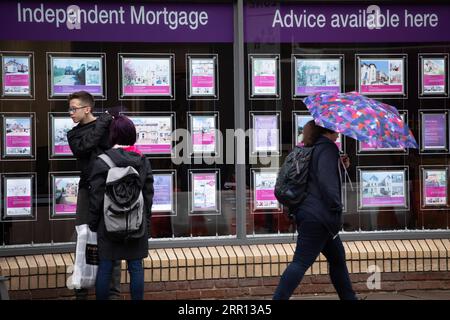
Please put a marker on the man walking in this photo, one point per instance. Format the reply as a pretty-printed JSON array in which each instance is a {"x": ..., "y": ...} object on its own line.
[{"x": 87, "y": 140}]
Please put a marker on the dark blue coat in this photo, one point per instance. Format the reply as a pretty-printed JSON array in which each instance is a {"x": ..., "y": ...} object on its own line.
[{"x": 324, "y": 200}]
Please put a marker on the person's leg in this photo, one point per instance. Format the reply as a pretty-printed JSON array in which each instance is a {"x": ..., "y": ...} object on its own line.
[
  {"x": 114, "y": 291},
  {"x": 335, "y": 253},
  {"x": 103, "y": 281},
  {"x": 310, "y": 241},
  {"x": 136, "y": 279}
]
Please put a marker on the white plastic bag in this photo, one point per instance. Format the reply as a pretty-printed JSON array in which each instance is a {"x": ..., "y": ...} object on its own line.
[{"x": 86, "y": 259}]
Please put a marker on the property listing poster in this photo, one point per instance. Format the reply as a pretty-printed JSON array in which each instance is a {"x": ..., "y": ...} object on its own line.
[
  {"x": 153, "y": 134},
  {"x": 317, "y": 75},
  {"x": 18, "y": 197},
  {"x": 16, "y": 76},
  {"x": 300, "y": 122},
  {"x": 204, "y": 192},
  {"x": 381, "y": 76},
  {"x": 433, "y": 76},
  {"x": 435, "y": 187},
  {"x": 265, "y": 133},
  {"x": 264, "y": 196},
  {"x": 146, "y": 77},
  {"x": 18, "y": 136},
  {"x": 264, "y": 76},
  {"x": 203, "y": 77},
  {"x": 434, "y": 131},
  {"x": 76, "y": 74},
  {"x": 203, "y": 134},
  {"x": 163, "y": 196},
  {"x": 61, "y": 125},
  {"x": 65, "y": 195},
  {"x": 382, "y": 188}
]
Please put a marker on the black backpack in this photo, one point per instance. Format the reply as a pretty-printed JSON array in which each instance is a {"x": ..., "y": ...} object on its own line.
[{"x": 292, "y": 180}]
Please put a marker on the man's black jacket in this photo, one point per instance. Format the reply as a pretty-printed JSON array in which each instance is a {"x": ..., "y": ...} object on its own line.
[{"x": 87, "y": 141}]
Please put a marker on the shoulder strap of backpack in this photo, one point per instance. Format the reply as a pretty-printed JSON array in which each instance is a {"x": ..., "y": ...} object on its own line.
[{"x": 107, "y": 159}]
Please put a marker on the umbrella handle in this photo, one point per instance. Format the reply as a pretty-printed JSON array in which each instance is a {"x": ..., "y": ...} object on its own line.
[{"x": 346, "y": 173}]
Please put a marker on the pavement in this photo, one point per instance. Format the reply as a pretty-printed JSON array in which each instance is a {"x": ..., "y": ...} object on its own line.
[{"x": 403, "y": 295}]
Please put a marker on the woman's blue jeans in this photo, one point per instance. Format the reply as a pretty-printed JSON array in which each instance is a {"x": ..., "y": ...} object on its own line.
[
  {"x": 313, "y": 238},
  {"x": 104, "y": 273}
]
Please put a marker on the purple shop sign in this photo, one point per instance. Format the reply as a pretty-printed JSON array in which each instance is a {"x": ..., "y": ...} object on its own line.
[
  {"x": 126, "y": 22},
  {"x": 300, "y": 23}
]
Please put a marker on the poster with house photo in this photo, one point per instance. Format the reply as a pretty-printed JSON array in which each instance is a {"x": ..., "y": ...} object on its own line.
[{"x": 381, "y": 76}]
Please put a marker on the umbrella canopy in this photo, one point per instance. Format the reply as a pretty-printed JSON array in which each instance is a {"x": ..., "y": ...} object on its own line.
[{"x": 361, "y": 118}]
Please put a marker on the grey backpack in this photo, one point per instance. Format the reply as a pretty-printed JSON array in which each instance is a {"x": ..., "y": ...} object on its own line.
[{"x": 123, "y": 206}]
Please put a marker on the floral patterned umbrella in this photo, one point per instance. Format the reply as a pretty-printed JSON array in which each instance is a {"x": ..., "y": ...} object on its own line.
[{"x": 361, "y": 118}]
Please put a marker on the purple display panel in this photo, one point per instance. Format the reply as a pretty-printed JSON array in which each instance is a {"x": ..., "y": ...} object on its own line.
[
  {"x": 434, "y": 131},
  {"x": 434, "y": 191},
  {"x": 17, "y": 136},
  {"x": 202, "y": 73},
  {"x": 381, "y": 76},
  {"x": 382, "y": 189},
  {"x": 204, "y": 192},
  {"x": 433, "y": 73},
  {"x": 347, "y": 23},
  {"x": 203, "y": 134},
  {"x": 76, "y": 73},
  {"x": 265, "y": 133},
  {"x": 117, "y": 22},
  {"x": 18, "y": 197},
  {"x": 153, "y": 134},
  {"x": 316, "y": 75},
  {"x": 16, "y": 75},
  {"x": 60, "y": 127},
  {"x": 151, "y": 76},
  {"x": 264, "y": 184},
  {"x": 65, "y": 194},
  {"x": 163, "y": 204}
]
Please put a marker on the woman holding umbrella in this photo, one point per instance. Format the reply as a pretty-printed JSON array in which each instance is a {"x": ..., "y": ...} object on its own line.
[{"x": 318, "y": 217}]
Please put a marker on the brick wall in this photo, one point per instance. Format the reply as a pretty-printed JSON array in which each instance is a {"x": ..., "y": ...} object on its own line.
[{"x": 226, "y": 272}]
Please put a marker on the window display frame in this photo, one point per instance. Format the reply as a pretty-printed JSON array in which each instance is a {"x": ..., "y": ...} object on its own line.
[
  {"x": 156, "y": 114},
  {"x": 382, "y": 169},
  {"x": 433, "y": 151},
  {"x": 315, "y": 57},
  {"x": 252, "y": 150},
  {"x": 382, "y": 57},
  {"x": 173, "y": 211},
  {"x": 217, "y": 136},
  {"x": 51, "y": 138},
  {"x": 198, "y": 56},
  {"x": 302, "y": 113},
  {"x": 420, "y": 58},
  {"x": 254, "y": 210},
  {"x": 217, "y": 211},
  {"x": 67, "y": 55},
  {"x": 423, "y": 169},
  {"x": 251, "y": 94},
  {"x": 4, "y": 217},
  {"x": 384, "y": 151},
  {"x": 15, "y": 115},
  {"x": 145, "y": 96},
  {"x": 31, "y": 74},
  {"x": 52, "y": 176}
]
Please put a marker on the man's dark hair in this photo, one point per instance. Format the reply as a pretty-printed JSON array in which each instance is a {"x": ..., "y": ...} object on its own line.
[
  {"x": 312, "y": 132},
  {"x": 85, "y": 98},
  {"x": 122, "y": 131}
]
